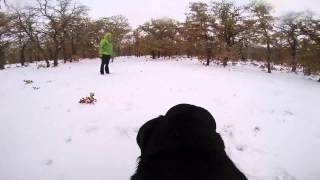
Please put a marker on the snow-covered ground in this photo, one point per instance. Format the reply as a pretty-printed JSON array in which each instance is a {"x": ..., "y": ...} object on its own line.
[{"x": 270, "y": 122}]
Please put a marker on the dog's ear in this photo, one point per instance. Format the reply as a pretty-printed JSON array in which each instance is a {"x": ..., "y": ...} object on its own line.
[
  {"x": 203, "y": 115},
  {"x": 183, "y": 114},
  {"x": 145, "y": 132},
  {"x": 192, "y": 125}
]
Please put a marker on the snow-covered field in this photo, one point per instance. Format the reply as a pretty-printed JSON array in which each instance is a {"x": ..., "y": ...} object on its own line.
[{"x": 270, "y": 122}]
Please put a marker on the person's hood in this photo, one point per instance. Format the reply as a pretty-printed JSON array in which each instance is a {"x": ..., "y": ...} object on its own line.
[{"x": 107, "y": 36}]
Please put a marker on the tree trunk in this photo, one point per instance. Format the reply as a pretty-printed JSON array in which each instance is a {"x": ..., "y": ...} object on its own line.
[
  {"x": 307, "y": 71},
  {"x": 64, "y": 52},
  {"x": 55, "y": 62},
  {"x": 63, "y": 47},
  {"x": 268, "y": 57},
  {"x": 159, "y": 54},
  {"x": 208, "y": 54},
  {"x": 225, "y": 61},
  {"x": 31, "y": 57},
  {"x": 2, "y": 63},
  {"x": 130, "y": 51},
  {"x": 294, "y": 58},
  {"x": 2, "y": 58},
  {"x": 293, "y": 45},
  {"x": 56, "y": 51},
  {"x": 47, "y": 63},
  {"x": 22, "y": 56},
  {"x": 269, "y": 66},
  {"x": 73, "y": 48},
  {"x": 294, "y": 66},
  {"x": 55, "y": 57},
  {"x": 119, "y": 51},
  {"x": 294, "y": 61},
  {"x": 39, "y": 48},
  {"x": 226, "y": 58},
  {"x": 243, "y": 54},
  {"x": 153, "y": 54}
]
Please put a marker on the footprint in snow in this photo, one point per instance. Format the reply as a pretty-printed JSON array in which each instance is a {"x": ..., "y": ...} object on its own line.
[
  {"x": 256, "y": 130},
  {"x": 68, "y": 140},
  {"x": 284, "y": 175},
  {"x": 128, "y": 107},
  {"x": 135, "y": 130},
  {"x": 123, "y": 132},
  {"x": 227, "y": 130},
  {"x": 288, "y": 113},
  {"x": 49, "y": 162},
  {"x": 91, "y": 130},
  {"x": 241, "y": 147}
]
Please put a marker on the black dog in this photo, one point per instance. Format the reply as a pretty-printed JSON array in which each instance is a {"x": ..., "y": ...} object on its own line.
[{"x": 183, "y": 145}]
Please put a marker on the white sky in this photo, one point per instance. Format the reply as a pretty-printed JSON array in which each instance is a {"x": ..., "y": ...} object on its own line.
[{"x": 140, "y": 11}]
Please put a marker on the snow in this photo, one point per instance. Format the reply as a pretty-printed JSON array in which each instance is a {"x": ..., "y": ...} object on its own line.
[{"x": 269, "y": 122}]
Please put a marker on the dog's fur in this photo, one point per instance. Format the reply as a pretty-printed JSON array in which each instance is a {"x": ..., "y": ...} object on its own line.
[{"x": 183, "y": 145}]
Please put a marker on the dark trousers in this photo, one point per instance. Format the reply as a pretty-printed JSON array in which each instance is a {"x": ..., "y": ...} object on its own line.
[{"x": 105, "y": 59}]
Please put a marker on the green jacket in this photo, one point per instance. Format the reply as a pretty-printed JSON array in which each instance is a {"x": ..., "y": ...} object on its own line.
[{"x": 106, "y": 47}]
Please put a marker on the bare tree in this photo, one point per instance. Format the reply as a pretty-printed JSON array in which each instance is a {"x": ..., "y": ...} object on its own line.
[
  {"x": 310, "y": 26},
  {"x": 290, "y": 28},
  {"x": 198, "y": 30},
  {"x": 229, "y": 25},
  {"x": 310, "y": 50},
  {"x": 263, "y": 26},
  {"x": 26, "y": 28},
  {"x": 57, "y": 16},
  {"x": 3, "y": 42}
]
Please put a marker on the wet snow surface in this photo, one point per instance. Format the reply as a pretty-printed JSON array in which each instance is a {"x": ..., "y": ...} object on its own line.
[{"x": 270, "y": 122}]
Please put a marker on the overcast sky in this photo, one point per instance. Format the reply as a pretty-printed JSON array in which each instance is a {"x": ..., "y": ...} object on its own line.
[{"x": 140, "y": 11}]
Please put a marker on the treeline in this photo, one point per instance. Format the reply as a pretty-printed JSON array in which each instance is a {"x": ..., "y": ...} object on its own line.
[
  {"x": 226, "y": 32},
  {"x": 223, "y": 31},
  {"x": 53, "y": 30}
]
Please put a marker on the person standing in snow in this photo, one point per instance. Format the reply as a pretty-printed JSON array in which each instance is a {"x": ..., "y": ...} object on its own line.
[{"x": 105, "y": 52}]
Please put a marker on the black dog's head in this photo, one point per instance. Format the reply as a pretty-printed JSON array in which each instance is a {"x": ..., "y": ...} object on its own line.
[{"x": 184, "y": 145}]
